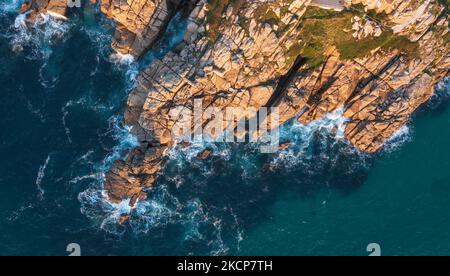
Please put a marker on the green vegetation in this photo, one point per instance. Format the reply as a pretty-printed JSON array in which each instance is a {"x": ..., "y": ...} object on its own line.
[
  {"x": 360, "y": 8},
  {"x": 318, "y": 13},
  {"x": 447, "y": 37},
  {"x": 387, "y": 41},
  {"x": 264, "y": 14},
  {"x": 446, "y": 4},
  {"x": 216, "y": 8},
  {"x": 321, "y": 29}
]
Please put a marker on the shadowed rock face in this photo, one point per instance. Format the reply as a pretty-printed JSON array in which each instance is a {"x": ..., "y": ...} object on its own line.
[{"x": 249, "y": 54}]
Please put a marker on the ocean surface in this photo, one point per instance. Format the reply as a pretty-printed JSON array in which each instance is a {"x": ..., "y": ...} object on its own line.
[{"x": 63, "y": 93}]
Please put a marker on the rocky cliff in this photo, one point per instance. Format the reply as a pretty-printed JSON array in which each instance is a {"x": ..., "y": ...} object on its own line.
[
  {"x": 140, "y": 22},
  {"x": 378, "y": 59},
  {"x": 34, "y": 7}
]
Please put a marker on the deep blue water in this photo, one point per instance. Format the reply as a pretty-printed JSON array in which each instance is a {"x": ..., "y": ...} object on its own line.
[{"x": 62, "y": 99}]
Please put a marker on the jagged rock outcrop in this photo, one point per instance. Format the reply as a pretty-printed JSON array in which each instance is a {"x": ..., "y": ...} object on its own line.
[
  {"x": 35, "y": 7},
  {"x": 239, "y": 68},
  {"x": 140, "y": 22},
  {"x": 412, "y": 18},
  {"x": 250, "y": 54}
]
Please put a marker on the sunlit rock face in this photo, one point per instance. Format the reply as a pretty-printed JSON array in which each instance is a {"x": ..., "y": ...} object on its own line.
[
  {"x": 140, "y": 23},
  {"x": 33, "y": 8}
]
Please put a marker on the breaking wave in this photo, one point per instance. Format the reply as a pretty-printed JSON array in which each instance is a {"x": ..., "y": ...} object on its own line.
[
  {"x": 397, "y": 140},
  {"x": 328, "y": 131},
  {"x": 36, "y": 39},
  {"x": 94, "y": 202},
  {"x": 441, "y": 94},
  {"x": 40, "y": 176},
  {"x": 405, "y": 133},
  {"x": 10, "y": 6}
]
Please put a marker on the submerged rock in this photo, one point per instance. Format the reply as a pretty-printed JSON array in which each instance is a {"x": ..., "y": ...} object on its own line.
[
  {"x": 205, "y": 154},
  {"x": 284, "y": 145},
  {"x": 124, "y": 219}
]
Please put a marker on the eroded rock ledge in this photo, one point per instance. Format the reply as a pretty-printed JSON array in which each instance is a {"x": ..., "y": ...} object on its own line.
[{"x": 378, "y": 59}]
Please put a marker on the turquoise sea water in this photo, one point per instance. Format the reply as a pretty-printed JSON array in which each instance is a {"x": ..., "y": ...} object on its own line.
[
  {"x": 401, "y": 205},
  {"x": 62, "y": 97}
]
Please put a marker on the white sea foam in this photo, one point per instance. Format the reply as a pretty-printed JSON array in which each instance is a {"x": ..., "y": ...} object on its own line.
[
  {"x": 93, "y": 176},
  {"x": 331, "y": 128},
  {"x": 239, "y": 231},
  {"x": 301, "y": 137},
  {"x": 20, "y": 22},
  {"x": 94, "y": 201},
  {"x": 123, "y": 59},
  {"x": 95, "y": 205},
  {"x": 15, "y": 215},
  {"x": 63, "y": 119},
  {"x": 56, "y": 15},
  {"x": 127, "y": 64},
  {"x": 35, "y": 111},
  {"x": 40, "y": 176},
  {"x": 219, "y": 247},
  {"x": 47, "y": 81},
  {"x": 85, "y": 157},
  {"x": 10, "y": 6},
  {"x": 398, "y": 139},
  {"x": 126, "y": 140},
  {"x": 443, "y": 87},
  {"x": 334, "y": 123},
  {"x": 40, "y": 36},
  {"x": 147, "y": 215},
  {"x": 101, "y": 40},
  {"x": 158, "y": 211}
]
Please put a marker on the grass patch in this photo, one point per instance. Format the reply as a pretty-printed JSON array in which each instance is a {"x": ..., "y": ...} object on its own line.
[
  {"x": 387, "y": 41},
  {"x": 318, "y": 13},
  {"x": 264, "y": 14},
  {"x": 323, "y": 28},
  {"x": 361, "y": 9},
  {"x": 320, "y": 28},
  {"x": 446, "y": 37},
  {"x": 216, "y": 8}
]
